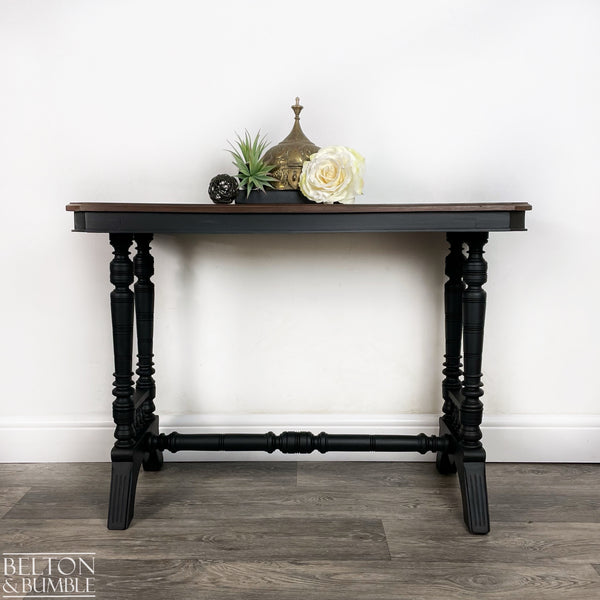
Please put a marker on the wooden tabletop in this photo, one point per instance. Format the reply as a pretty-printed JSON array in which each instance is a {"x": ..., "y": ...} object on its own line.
[
  {"x": 105, "y": 217},
  {"x": 311, "y": 208}
]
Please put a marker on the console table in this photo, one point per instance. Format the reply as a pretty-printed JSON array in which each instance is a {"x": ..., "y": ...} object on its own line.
[{"x": 138, "y": 441}]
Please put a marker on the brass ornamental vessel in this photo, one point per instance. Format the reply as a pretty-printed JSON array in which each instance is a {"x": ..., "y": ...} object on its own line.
[{"x": 289, "y": 154}]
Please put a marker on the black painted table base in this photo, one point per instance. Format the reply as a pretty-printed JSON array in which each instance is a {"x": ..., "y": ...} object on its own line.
[{"x": 458, "y": 445}]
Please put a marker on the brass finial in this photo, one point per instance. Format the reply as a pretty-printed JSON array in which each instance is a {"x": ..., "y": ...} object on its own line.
[
  {"x": 297, "y": 108},
  {"x": 288, "y": 155}
]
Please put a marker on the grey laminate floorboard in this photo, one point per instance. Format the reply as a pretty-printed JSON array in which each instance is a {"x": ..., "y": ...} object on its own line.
[
  {"x": 332, "y": 531},
  {"x": 248, "y": 502},
  {"x": 343, "y": 580},
  {"x": 221, "y": 474},
  {"x": 9, "y": 496},
  {"x": 507, "y": 476},
  {"x": 533, "y": 543},
  {"x": 235, "y": 538}
]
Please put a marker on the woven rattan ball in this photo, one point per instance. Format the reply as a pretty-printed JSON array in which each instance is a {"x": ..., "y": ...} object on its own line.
[{"x": 223, "y": 189}]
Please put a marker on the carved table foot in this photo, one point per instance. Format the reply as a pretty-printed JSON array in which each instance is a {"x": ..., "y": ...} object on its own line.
[
  {"x": 125, "y": 470},
  {"x": 473, "y": 488}
]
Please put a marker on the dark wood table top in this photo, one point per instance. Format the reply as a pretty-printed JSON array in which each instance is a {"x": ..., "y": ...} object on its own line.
[
  {"x": 118, "y": 217},
  {"x": 292, "y": 208}
]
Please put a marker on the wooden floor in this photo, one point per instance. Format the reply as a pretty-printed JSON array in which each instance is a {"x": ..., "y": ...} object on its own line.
[{"x": 284, "y": 530}]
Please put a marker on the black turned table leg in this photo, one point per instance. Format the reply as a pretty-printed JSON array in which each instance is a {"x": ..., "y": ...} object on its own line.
[
  {"x": 143, "y": 263},
  {"x": 126, "y": 456},
  {"x": 451, "y": 386},
  {"x": 470, "y": 455}
]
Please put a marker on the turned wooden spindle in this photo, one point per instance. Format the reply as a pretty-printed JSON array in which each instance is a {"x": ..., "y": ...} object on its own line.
[
  {"x": 474, "y": 299},
  {"x": 121, "y": 304},
  {"x": 453, "y": 297},
  {"x": 144, "y": 317}
]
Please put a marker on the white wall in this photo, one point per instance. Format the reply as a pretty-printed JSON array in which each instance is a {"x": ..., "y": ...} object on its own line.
[{"x": 448, "y": 101}]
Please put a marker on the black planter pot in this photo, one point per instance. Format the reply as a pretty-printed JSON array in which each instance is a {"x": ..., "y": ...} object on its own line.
[{"x": 271, "y": 197}]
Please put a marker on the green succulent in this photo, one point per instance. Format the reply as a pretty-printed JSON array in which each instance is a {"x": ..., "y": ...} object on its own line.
[{"x": 247, "y": 154}]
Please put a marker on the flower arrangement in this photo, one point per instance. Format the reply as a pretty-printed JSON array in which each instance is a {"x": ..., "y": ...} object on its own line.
[
  {"x": 333, "y": 174},
  {"x": 296, "y": 170}
]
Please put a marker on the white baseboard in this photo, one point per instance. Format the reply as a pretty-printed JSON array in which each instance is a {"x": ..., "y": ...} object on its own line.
[{"x": 507, "y": 438}]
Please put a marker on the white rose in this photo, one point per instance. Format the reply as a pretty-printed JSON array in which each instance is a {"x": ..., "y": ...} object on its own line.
[{"x": 333, "y": 174}]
